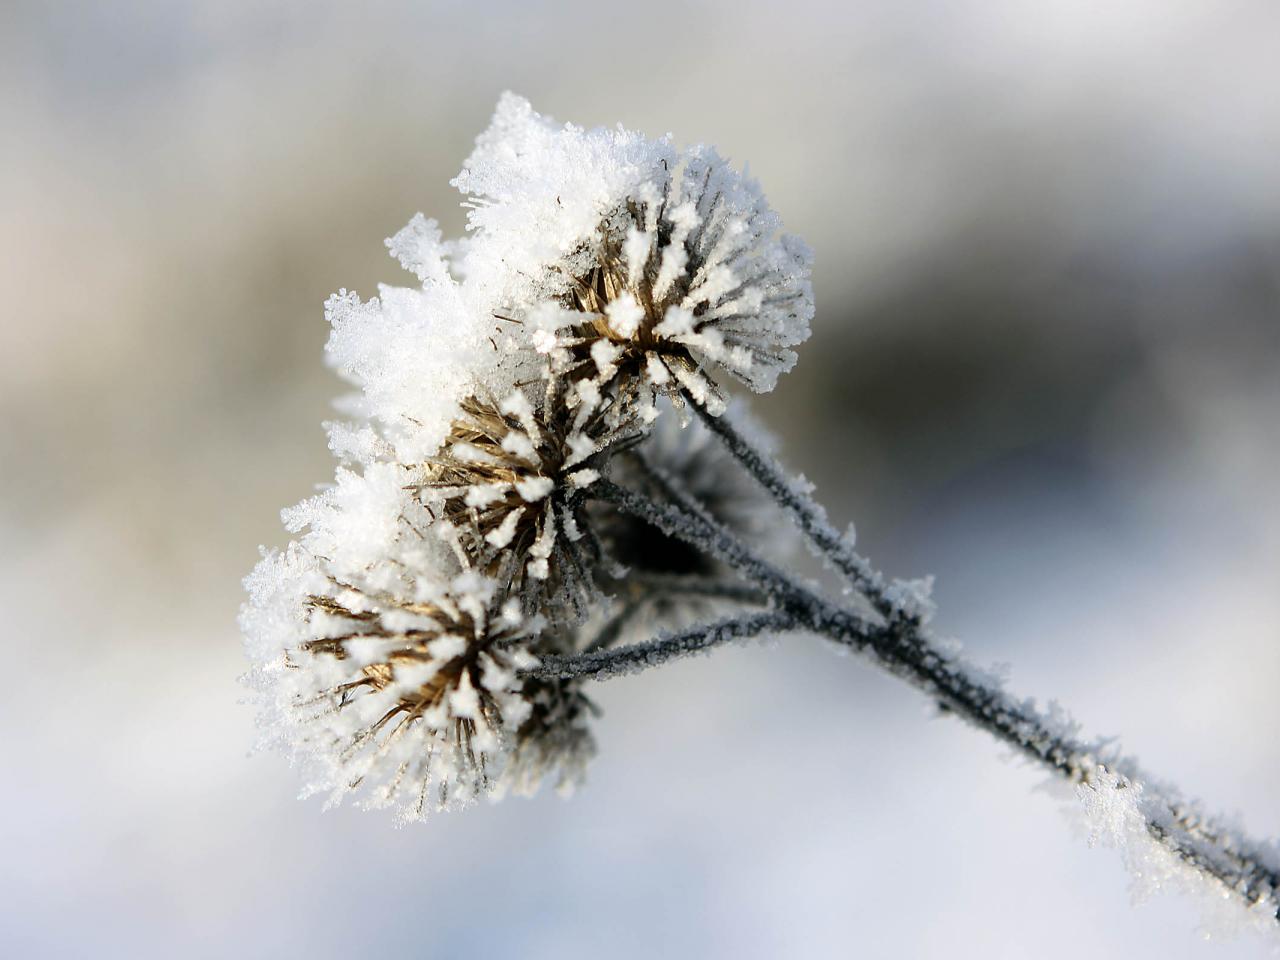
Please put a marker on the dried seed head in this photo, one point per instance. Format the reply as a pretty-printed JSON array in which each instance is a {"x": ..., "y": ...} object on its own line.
[
  {"x": 504, "y": 486},
  {"x": 411, "y": 702},
  {"x": 635, "y": 266},
  {"x": 680, "y": 282}
]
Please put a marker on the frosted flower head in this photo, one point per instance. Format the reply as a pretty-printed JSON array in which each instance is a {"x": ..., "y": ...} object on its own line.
[
  {"x": 411, "y": 702},
  {"x": 645, "y": 265},
  {"x": 503, "y": 490}
]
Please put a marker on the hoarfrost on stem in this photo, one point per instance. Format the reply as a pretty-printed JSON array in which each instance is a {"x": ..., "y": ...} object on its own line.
[{"x": 1132, "y": 817}]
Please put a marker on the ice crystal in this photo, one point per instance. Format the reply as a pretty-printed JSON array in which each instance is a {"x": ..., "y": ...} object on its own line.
[
  {"x": 1134, "y": 817},
  {"x": 413, "y": 353}
]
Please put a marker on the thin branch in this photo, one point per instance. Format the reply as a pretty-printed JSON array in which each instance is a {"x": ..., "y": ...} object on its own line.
[
  {"x": 808, "y": 514},
  {"x": 902, "y": 646},
  {"x": 648, "y": 589},
  {"x": 610, "y": 632},
  {"x": 605, "y": 664},
  {"x": 664, "y": 585},
  {"x": 670, "y": 489},
  {"x": 697, "y": 530}
]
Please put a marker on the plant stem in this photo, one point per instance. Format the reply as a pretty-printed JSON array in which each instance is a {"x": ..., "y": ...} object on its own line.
[
  {"x": 902, "y": 646},
  {"x": 810, "y": 517},
  {"x": 699, "y": 531},
  {"x": 604, "y": 664}
]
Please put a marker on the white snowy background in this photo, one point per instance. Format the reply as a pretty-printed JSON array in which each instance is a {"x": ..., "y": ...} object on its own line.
[{"x": 1046, "y": 368}]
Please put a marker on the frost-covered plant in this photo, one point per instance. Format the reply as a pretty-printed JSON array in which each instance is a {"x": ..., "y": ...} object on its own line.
[{"x": 539, "y": 473}]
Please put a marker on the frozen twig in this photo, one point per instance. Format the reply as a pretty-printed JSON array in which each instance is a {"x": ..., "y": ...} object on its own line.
[
  {"x": 697, "y": 530},
  {"x": 903, "y": 647},
  {"x": 810, "y": 517},
  {"x": 604, "y": 664}
]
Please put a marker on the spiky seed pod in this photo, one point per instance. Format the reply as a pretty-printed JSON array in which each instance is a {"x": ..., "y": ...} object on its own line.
[
  {"x": 504, "y": 484},
  {"x": 419, "y": 700},
  {"x": 410, "y": 700},
  {"x": 687, "y": 275},
  {"x": 651, "y": 265}
]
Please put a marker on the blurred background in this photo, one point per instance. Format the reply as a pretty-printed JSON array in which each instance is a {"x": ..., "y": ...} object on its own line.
[{"x": 1045, "y": 368}]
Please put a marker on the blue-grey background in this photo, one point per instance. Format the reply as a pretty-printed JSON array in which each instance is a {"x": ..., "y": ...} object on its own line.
[{"x": 1045, "y": 368}]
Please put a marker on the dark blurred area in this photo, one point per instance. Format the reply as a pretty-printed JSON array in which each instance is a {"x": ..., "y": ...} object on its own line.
[
  {"x": 1057, "y": 344},
  {"x": 1045, "y": 368}
]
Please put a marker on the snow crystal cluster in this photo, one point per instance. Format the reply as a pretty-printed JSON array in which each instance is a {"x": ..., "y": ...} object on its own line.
[
  {"x": 605, "y": 279},
  {"x": 1167, "y": 843}
]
